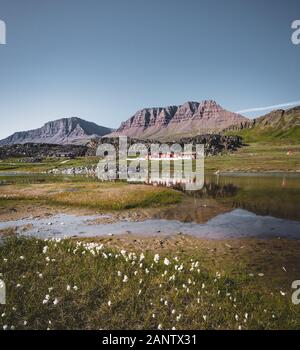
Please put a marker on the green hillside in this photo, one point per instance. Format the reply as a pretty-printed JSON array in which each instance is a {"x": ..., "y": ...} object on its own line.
[
  {"x": 282, "y": 127},
  {"x": 291, "y": 135}
]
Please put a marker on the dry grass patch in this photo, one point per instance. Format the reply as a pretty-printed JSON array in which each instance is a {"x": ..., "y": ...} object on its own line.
[{"x": 104, "y": 196}]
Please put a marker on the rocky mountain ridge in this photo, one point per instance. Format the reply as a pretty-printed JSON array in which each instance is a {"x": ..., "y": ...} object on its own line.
[
  {"x": 61, "y": 131},
  {"x": 189, "y": 119}
]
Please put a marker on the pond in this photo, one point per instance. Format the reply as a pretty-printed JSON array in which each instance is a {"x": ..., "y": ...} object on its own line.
[{"x": 228, "y": 206}]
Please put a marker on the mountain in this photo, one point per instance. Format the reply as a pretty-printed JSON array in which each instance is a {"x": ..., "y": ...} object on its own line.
[
  {"x": 61, "y": 131},
  {"x": 189, "y": 119},
  {"x": 275, "y": 126}
]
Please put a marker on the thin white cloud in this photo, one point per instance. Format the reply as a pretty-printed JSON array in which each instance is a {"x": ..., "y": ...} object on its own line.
[{"x": 259, "y": 109}]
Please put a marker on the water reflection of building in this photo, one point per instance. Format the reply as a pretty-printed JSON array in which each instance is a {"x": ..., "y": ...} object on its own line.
[{"x": 171, "y": 181}]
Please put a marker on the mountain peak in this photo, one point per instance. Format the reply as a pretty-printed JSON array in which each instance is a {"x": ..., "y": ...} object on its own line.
[
  {"x": 71, "y": 130},
  {"x": 189, "y": 119}
]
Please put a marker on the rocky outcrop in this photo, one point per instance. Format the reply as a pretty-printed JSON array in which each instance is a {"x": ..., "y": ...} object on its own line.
[
  {"x": 38, "y": 151},
  {"x": 213, "y": 143},
  {"x": 174, "y": 122},
  {"x": 80, "y": 170},
  {"x": 61, "y": 131}
]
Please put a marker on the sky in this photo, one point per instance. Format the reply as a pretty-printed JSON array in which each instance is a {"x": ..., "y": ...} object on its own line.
[{"x": 102, "y": 60}]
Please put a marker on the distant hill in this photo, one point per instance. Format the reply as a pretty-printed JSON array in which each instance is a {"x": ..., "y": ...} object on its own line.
[
  {"x": 173, "y": 122},
  {"x": 280, "y": 125},
  {"x": 61, "y": 131}
]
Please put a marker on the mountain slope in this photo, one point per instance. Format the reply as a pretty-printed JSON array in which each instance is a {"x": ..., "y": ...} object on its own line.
[
  {"x": 189, "y": 119},
  {"x": 61, "y": 131},
  {"x": 277, "y": 126}
]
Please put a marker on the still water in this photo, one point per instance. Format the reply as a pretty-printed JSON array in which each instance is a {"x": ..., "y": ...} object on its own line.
[{"x": 229, "y": 205}]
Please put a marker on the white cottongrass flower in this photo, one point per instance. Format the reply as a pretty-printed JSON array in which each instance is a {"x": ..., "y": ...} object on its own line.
[
  {"x": 25, "y": 323},
  {"x": 5, "y": 327},
  {"x": 22, "y": 257},
  {"x": 173, "y": 312},
  {"x": 119, "y": 273},
  {"x": 47, "y": 297},
  {"x": 68, "y": 287},
  {"x": 166, "y": 261},
  {"x": 204, "y": 317},
  {"x": 125, "y": 279},
  {"x": 282, "y": 293},
  {"x": 236, "y": 317},
  {"x": 178, "y": 318},
  {"x": 55, "y": 301},
  {"x": 156, "y": 258},
  {"x": 142, "y": 257},
  {"x": 45, "y": 249},
  {"x": 109, "y": 303},
  {"x": 75, "y": 288},
  {"x": 159, "y": 326}
]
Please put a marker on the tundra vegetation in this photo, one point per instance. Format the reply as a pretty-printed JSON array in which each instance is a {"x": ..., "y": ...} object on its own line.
[{"x": 183, "y": 283}]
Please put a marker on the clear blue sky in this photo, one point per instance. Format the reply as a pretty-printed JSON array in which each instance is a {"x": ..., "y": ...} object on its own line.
[{"x": 102, "y": 60}]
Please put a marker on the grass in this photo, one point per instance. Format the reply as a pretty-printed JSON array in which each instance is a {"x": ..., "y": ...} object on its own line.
[
  {"x": 15, "y": 164},
  {"x": 257, "y": 157},
  {"x": 84, "y": 285},
  {"x": 95, "y": 195},
  {"x": 270, "y": 135}
]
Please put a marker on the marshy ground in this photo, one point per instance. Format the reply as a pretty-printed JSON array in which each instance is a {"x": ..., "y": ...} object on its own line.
[{"x": 133, "y": 282}]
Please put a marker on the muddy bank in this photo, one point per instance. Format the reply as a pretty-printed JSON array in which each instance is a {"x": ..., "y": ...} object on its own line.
[{"x": 234, "y": 224}]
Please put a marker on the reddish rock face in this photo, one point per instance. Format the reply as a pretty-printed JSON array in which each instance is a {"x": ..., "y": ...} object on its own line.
[{"x": 189, "y": 119}]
